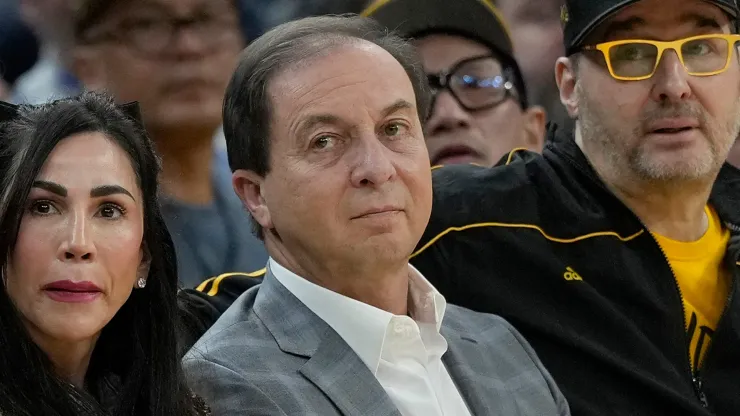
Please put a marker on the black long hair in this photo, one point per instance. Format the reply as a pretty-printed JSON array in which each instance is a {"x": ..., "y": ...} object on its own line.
[{"x": 134, "y": 368}]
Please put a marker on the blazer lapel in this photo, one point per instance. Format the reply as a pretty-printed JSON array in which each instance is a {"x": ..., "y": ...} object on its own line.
[
  {"x": 332, "y": 365},
  {"x": 346, "y": 380},
  {"x": 484, "y": 394}
]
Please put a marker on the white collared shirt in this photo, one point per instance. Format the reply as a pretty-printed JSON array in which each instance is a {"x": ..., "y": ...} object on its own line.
[{"x": 404, "y": 354}]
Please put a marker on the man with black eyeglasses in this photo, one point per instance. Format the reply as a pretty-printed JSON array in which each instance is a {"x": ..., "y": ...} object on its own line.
[
  {"x": 480, "y": 110},
  {"x": 176, "y": 57}
]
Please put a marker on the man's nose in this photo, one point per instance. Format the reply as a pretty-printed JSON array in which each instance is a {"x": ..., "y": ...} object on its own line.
[
  {"x": 373, "y": 165},
  {"x": 447, "y": 114},
  {"x": 671, "y": 79}
]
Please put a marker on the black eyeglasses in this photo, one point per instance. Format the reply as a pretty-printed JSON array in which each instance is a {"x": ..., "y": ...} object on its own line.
[
  {"x": 152, "y": 36},
  {"x": 476, "y": 83}
]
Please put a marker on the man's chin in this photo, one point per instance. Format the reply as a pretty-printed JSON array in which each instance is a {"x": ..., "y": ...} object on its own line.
[{"x": 678, "y": 169}]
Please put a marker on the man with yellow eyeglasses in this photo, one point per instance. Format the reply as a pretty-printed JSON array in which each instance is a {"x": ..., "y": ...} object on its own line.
[{"x": 615, "y": 253}]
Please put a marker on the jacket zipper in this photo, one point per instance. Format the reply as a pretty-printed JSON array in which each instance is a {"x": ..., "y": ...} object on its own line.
[
  {"x": 696, "y": 381},
  {"x": 693, "y": 374},
  {"x": 733, "y": 278}
]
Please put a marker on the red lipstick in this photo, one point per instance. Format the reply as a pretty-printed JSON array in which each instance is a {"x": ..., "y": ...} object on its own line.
[{"x": 68, "y": 291}]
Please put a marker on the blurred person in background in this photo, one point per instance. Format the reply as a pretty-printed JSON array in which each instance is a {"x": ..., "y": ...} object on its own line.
[
  {"x": 175, "y": 57},
  {"x": 537, "y": 34},
  {"x": 19, "y": 48},
  {"x": 274, "y": 12},
  {"x": 50, "y": 78},
  {"x": 481, "y": 110}
]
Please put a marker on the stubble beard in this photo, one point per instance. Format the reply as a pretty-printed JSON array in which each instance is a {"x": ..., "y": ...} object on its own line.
[{"x": 623, "y": 151}]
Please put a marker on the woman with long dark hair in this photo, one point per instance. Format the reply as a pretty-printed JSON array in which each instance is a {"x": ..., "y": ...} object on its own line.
[{"x": 88, "y": 310}]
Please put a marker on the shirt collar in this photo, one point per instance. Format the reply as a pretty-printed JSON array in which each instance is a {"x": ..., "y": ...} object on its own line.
[
  {"x": 426, "y": 304},
  {"x": 362, "y": 326}
]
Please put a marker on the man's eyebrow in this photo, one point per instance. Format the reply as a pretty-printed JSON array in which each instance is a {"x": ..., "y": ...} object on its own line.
[
  {"x": 52, "y": 187},
  {"x": 318, "y": 119},
  {"x": 633, "y": 23},
  {"x": 701, "y": 21},
  {"x": 108, "y": 190},
  {"x": 399, "y": 105},
  {"x": 314, "y": 120},
  {"x": 627, "y": 25}
]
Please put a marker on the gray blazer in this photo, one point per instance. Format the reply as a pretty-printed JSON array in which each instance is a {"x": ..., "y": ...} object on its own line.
[{"x": 269, "y": 354}]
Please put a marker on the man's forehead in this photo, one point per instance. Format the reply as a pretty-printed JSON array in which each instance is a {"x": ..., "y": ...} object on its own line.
[{"x": 340, "y": 81}]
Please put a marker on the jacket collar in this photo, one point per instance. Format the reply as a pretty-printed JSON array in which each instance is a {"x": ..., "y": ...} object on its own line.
[{"x": 332, "y": 365}]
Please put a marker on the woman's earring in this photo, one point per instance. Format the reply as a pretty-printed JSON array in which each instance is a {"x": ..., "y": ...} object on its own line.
[{"x": 141, "y": 283}]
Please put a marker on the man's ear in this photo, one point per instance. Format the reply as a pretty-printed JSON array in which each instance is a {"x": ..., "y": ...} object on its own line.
[
  {"x": 249, "y": 188},
  {"x": 535, "y": 119},
  {"x": 88, "y": 67},
  {"x": 566, "y": 78}
]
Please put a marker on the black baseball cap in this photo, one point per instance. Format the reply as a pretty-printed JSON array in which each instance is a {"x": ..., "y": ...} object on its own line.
[
  {"x": 580, "y": 17},
  {"x": 478, "y": 20}
]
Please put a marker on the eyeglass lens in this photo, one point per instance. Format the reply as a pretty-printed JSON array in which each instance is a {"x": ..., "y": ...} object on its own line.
[
  {"x": 700, "y": 56},
  {"x": 478, "y": 83}
]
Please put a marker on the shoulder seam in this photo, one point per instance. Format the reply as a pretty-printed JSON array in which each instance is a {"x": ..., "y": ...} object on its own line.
[
  {"x": 216, "y": 280},
  {"x": 531, "y": 227},
  {"x": 219, "y": 279}
]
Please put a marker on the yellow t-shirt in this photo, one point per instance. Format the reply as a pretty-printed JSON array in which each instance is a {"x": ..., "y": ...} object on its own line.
[{"x": 703, "y": 280}]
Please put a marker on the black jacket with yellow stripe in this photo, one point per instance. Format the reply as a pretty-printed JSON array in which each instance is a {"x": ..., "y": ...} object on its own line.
[{"x": 544, "y": 244}]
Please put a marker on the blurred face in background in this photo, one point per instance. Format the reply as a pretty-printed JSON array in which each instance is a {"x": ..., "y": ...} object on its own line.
[
  {"x": 50, "y": 19},
  {"x": 469, "y": 123},
  {"x": 537, "y": 35},
  {"x": 173, "y": 56}
]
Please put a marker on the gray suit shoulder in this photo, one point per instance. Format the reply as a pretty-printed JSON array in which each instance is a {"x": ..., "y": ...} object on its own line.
[
  {"x": 468, "y": 321},
  {"x": 511, "y": 355},
  {"x": 230, "y": 330}
]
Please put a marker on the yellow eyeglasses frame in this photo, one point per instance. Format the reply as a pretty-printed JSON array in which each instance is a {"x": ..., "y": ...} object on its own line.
[{"x": 675, "y": 45}]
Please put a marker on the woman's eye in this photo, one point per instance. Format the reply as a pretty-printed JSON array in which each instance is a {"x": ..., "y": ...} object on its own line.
[
  {"x": 43, "y": 208},
  {"x": 111, "y": 211}
]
